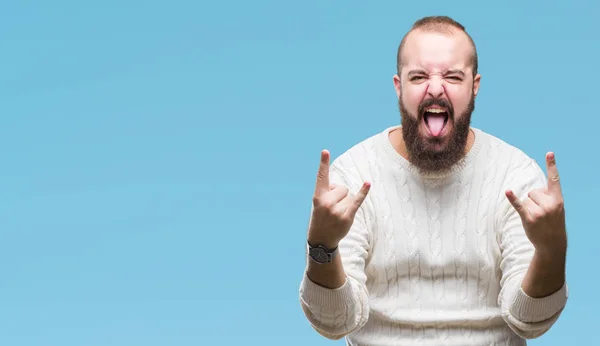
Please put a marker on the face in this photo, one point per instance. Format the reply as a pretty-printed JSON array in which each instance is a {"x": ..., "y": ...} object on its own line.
[{"x": 436, "y": 92}]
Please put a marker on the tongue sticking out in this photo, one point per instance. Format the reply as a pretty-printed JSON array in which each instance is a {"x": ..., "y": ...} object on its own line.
[{"x": 436, "y": 123}]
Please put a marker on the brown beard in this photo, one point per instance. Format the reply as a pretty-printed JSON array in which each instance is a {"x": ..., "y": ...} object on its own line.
[{"x": 435, "y": 154}]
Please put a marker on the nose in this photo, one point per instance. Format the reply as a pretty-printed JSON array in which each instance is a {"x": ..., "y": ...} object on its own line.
[{"x": 435, "y": 88}]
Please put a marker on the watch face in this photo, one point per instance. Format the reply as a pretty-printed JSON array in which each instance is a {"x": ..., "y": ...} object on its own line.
[{"x": 319, "y": 255}]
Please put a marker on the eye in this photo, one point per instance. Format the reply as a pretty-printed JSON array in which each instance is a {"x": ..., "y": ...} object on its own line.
[
  {"x": 454, "y": 78},
  {"x": 417, "y": 78}
]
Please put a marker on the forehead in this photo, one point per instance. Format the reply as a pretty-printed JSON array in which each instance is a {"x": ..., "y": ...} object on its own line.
[{"x": 437, "y": 51}]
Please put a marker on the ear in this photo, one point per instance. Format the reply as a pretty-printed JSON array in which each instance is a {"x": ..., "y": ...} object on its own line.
[
  {"x": 476, "y": 82},
  {"x": 397, "y": 85}
]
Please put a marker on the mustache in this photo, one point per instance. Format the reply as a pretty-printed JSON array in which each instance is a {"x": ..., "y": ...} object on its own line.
[{"x": 436, "y": 102}]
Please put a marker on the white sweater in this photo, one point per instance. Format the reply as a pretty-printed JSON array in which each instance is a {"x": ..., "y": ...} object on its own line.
[{"x": 434, "y": 260}]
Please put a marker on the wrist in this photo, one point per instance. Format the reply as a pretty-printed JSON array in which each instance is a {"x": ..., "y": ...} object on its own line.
[
  {"x": 327, "y": 243},
  {"x": 550, "y": 253}
]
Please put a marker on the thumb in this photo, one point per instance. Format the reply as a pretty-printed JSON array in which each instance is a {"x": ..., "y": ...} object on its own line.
[
  {"x": 518, "y": 205},
  {"x": 359, "y": 199}
]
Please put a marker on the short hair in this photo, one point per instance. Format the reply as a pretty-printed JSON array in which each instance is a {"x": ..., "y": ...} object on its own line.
[{"x": 437, "y": 24}]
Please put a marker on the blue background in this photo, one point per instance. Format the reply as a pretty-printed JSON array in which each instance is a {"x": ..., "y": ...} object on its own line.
[{"x": 158, "y": 158}]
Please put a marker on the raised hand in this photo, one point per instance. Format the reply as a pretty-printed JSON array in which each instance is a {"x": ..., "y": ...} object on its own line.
[
  {"x": 543, "y": 213},
  {"x": 334, "y": 208}
]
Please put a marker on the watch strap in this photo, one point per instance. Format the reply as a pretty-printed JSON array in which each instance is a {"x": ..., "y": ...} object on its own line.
[{"x": 323, "y": 251}]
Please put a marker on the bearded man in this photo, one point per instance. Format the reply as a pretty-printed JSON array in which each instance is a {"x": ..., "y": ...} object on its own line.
[{"x": 435, "y": 232}]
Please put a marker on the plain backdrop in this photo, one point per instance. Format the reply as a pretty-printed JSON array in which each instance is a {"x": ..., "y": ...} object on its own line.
[{"x": 158, "y": 157}]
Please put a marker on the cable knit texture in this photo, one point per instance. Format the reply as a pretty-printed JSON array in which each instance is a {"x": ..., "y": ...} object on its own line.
[{"x": 434, "y": 260}]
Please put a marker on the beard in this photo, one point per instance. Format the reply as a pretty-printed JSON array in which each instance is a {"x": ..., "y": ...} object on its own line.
[{"x": 436, "y": 154}]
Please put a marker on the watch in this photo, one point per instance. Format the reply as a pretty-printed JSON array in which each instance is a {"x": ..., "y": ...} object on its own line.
[{"x": 320, "y": 254}]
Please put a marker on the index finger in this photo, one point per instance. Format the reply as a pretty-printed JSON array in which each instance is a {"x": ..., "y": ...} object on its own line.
[
  {"x": 323, "y": 174},
  {"x": 553, "y": 177}
]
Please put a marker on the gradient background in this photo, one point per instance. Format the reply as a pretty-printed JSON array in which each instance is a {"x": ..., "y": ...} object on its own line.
[{"x": 158, "y": 158}]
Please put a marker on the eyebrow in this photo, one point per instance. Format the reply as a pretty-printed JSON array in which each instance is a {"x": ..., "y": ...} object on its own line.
[
  {"x": 455, "y": 72},
  {"x": 414, "y": 72}
]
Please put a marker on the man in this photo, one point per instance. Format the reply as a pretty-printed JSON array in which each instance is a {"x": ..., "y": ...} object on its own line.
[{"x": 434, "y": 232}]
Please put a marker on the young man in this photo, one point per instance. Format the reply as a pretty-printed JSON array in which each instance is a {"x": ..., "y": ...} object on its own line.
[{"x": 434, "y": 232}]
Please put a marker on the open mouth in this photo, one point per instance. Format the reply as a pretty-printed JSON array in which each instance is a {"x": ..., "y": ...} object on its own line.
[{"x": 435, "y": 120}]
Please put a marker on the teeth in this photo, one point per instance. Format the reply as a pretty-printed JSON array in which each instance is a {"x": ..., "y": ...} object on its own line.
[{"x": 435, "y": 110}]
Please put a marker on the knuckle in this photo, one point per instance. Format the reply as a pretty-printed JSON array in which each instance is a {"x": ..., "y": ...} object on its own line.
[
  {"x": 328, "y": 207},
  {"x": 321, "y": 204},
  {"x": 556, "y": 205},
  {"x": 340, "y": 217},
  {"x": 547, "y": 210},
  {"x": 337, "y": 216},
  {"x": 536, "y": 216}
]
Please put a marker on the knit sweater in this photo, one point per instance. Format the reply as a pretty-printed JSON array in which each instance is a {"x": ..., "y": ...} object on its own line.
[{"x": 436, "y": 259}]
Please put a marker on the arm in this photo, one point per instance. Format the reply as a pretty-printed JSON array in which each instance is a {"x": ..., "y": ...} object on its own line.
[
  {"x": 334, "y": 296},
  {"x": 546, "y": 274},
  {"x": 534, "y": 290}
]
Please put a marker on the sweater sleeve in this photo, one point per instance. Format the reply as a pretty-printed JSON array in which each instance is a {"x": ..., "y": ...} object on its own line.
[
  {"x": 335, "y": 313},
  {"x": 527, "y": 316}
]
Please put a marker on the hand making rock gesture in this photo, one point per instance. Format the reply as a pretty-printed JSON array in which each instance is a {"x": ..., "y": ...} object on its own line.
[
  {"x": 543, "y": 213},
  {"x": 334, "y": 207}
]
